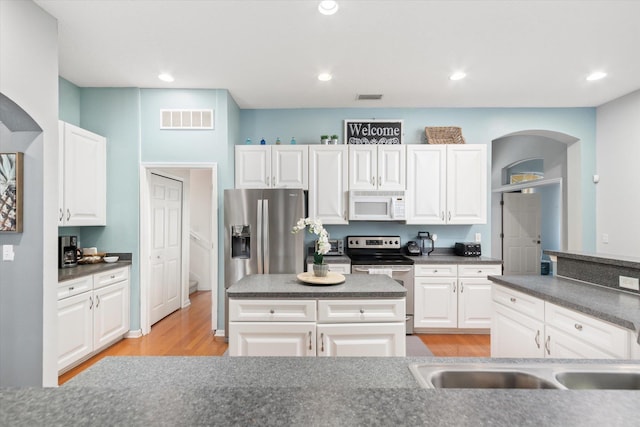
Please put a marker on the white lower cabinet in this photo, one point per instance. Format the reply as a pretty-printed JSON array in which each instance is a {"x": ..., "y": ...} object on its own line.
[
  {"x": 453, "y": 296},
  {"x": 357, "y": 327},
  {"x": 525, "y": 326},
  {"x": 93, "y": 312}
]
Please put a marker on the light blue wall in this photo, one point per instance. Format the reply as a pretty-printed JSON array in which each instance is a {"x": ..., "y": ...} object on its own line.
[
  {"x": 68, "y": 102},
  {"x": 479, "y": 126}
]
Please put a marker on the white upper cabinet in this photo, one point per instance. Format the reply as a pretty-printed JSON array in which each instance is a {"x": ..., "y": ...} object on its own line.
[
  {"x": 278, "y": 166},
  {"x": 82, "y": 196},
  {"x": 377, "y": 167},
  {"x": 328, "y": 183},
  {"x": 447, "y": 184}
]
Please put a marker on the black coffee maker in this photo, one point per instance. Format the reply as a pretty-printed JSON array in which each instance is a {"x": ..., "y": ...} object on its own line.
[{"x": 67, "y": 251}]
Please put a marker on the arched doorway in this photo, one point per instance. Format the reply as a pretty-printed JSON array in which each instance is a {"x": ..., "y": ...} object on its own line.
[{"x": 555, "y": 157}]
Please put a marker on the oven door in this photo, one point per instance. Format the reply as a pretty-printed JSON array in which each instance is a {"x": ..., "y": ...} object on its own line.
[{"x": 402, "y": 274}]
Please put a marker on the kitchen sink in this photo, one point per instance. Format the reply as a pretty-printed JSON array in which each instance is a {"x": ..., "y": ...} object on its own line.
[
  {"x": 488, "y": 379},
  {"x": 599, "y": 380},
  {"x": 573, "y": 376}
]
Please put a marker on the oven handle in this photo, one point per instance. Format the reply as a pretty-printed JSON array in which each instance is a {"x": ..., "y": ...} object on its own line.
[{"x": 366, "y": 270}]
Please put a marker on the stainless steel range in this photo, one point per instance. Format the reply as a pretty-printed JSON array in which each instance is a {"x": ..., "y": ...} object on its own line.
[{"x": 382, "y": 255}]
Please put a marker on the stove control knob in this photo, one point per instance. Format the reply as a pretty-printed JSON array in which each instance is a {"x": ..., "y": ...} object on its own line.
[{"x": 397, "y": 243}]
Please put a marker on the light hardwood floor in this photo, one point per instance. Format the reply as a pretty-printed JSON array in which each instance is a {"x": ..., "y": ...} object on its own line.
[{"x": 187, "y": 332}]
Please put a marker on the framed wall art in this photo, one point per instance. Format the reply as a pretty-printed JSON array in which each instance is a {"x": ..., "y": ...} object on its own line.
[
  {"x": 373, "y": 131},
  {"x": 11, "y": 190}
]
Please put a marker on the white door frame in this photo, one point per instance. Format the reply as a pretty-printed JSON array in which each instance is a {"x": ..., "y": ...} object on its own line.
[{"x": 145, "y": 239}]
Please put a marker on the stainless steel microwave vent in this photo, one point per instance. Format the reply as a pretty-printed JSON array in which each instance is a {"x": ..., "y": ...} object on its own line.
[{"x": 186, "y": 119}]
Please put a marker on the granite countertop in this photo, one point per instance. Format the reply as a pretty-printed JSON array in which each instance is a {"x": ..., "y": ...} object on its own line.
[
  {"x": 288, "y": 286},
  {"x": 620, "y": 308},
  {"x": 65, "y": 274},
  {"x": 616, "y": 260},
  {"x": 332, "y": 259},
  {"x": 297, "y": 391},
  {"x": 453, "y": 259}
]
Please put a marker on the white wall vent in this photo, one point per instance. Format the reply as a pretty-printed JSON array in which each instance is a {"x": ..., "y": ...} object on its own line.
[{"x": 186, "y": 119}]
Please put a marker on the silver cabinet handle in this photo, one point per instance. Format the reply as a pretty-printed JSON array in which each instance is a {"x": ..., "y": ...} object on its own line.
[
  {"x": 268, "y": 182},
  {"x": 61, "y": 215},
  {"x": 68, "y": 215},
  {"x": 461, "y": 287},
  {"x": 454, "y": 287},
  {"x": 442, "y": 215},
  {"x": 512, "y": 299},
  {"x": 90, "y": 303},
  {"x": 537, "y": 339},
  {"x": 310, "y": 344},
  {"x": 578, "y": 326},
  {"x": 273, "y": 180},
  {"x": 479, "y": 271},
  {"x": 113, "y": 276},
  {"x": 71, "y": 288},
  {"x": 362, "y": 311},
  {"x": 97, "y": 301},
  {"x": 449, "y": 215},
  {"x": 322, "y": 342},
  {"x": 379, "y": 181},
  {"x": 272, "y": 311},
  {"x": 373, "y": 181},
  {"x": 547, "y": 345}
]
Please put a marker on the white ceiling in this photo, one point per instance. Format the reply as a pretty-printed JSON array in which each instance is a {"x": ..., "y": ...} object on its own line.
[{"x": 516, "y": 53}]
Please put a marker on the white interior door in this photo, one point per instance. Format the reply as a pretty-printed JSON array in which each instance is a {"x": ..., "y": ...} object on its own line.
[
  {"x": 521, "y": 230},
  {"x": 166, "y": 248}
]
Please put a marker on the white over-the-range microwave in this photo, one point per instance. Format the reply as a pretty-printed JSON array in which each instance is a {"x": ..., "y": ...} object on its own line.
[{"x": 376, "y": 205}]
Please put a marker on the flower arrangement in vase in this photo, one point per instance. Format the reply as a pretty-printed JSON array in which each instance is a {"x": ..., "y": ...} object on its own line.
[{"x": 315, "y": 227}]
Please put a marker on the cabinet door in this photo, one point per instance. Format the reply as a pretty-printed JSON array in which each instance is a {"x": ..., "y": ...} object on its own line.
[
  {"x": 466, "y": 184},
  {"x": 436, "y": 302},
  {"x": 253, "y": 166},
  {"x": 356, "y": 340},
  {"x": 84, "y": 184},
  {"x": 392, "y": 172},
  {"x": 515, "y": 335},
  {"x": 272, "y": 339},
  {"x": 111, "y": 313},
  {"x": 363, "y": 167},
  {"x": 61, "y": 212},
  {"x": 328, "y": 183},
  {"x": 560, "y": 345},
  {"x": 426, "y": 184},
  {"x": 75, "y": 328},
  {"x": 290, "y": 166},
  {"x": 474, "y": 303}
]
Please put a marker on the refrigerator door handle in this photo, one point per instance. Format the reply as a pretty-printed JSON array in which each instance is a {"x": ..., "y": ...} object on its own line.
[
  {"x": 260, "y": 223},
  {"x": 265, "y": 233}
]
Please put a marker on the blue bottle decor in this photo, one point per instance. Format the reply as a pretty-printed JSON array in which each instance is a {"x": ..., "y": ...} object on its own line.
[
  {"x": 293, "y": 140},
  {"x": 263, "y": 142},
  {"x": 248, "y": 141}
]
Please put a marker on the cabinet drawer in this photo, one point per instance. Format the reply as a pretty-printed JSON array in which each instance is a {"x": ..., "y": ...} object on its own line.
[
  {"x": 74, "y": 287},
  {"x": 523, "y": 303},
  {"x": 355, "y": 311},
  {"x": 479, "y": 270},
  {"x": 110, "y": 277},
  {"x": 436, "y": 270},
  {"x": 272, "y": 310},
  {"x": 336, "y": 268},
  {"x": 598, "y": 333}
]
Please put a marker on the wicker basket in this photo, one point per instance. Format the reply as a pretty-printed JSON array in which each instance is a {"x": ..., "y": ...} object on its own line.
[{"x": 444, "y": 135}]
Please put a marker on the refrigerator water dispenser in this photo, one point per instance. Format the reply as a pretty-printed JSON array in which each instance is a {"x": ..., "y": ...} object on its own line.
[{"x": 240, "y": 241}]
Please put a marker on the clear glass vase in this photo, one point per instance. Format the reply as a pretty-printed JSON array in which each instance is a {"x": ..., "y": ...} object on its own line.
[{"x": 320, "y": 270}]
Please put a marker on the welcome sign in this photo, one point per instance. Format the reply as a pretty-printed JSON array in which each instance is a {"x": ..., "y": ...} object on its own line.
[{"x": 373, "y": 131}]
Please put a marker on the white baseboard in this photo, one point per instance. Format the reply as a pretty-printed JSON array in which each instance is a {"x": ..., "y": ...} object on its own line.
[
  {"x": 219, "y": 333},
  {"x": 134, "y": 334}
]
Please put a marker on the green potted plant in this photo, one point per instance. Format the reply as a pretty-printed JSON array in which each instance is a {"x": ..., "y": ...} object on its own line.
[
  {"x": 334, "y": 139},
  {"x": 324, "y": 139},
  {"x": 320, "y": 269}
]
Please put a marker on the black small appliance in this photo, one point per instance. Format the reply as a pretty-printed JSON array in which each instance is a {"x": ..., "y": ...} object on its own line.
[
  {"x": 67, "y": 251},
  {"x": 467, "y": 249}
]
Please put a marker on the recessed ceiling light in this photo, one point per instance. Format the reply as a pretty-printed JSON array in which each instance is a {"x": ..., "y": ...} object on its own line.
[
  {"x": 166, "y": 77},
  {"x": 458, "y": 75},
  {"x": 596, "y": 76},
  {"x": 328, "y": 7},
  {"x": 324, "y": 77}
]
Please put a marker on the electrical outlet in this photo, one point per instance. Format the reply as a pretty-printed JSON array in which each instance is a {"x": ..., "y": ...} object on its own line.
[
  {"x": 629, "y": 283},
  {"x": 478, "y": 237},
  {"x": 605, "y": 238},
  {"x": 7, "y": 253}
]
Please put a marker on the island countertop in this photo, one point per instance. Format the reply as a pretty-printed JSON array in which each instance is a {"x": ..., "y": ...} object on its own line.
[
  {"x": 288, "y": 286},
  {"x": 298, "y": 391}
]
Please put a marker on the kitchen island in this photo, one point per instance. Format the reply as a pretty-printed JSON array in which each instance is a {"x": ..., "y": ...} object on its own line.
[
  {"x": 298, "y": 391},
  {"x": 280, "y": 315}
]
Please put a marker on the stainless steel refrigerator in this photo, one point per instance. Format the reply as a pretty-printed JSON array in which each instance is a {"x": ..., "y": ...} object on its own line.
[{"x": 258, "y": 238}]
